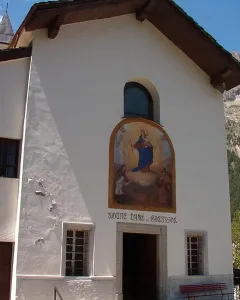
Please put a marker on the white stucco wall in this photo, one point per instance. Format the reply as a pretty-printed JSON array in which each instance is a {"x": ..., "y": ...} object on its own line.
[
  {"x": 13, "y": 87},
  {"x": 75, "y": 100},
  {"x": 73, "y": 289},
  {"x": 8, "y": 208}
]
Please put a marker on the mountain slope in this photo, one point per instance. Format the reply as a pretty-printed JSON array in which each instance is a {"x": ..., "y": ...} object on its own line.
[{"x": 232, "y": 120}]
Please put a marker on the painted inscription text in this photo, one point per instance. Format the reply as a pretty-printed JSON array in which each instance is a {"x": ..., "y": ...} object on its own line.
[{"x": 140, "y": 217}]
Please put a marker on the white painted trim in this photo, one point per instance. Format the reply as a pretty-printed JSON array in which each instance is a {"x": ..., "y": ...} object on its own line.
[
  {"x": 51, "y": 277},
  {"x": 57, "y": 277},
  {"x": 103, "y": 278},
  {"x": 18, "y": 213},
  {"x": 161, "y": 232},
  {"x": 139, "y": 228},
  {"x": 79, "y": 226},
  {"x": 162, "y": 264},
  {"x": 119, "y": 261}
]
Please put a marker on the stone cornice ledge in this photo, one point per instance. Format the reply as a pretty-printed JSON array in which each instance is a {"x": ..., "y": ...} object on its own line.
[{"x": 57, "y": 277}]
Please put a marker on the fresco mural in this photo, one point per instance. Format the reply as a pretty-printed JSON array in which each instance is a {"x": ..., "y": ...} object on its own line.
[{"x": 142, "y": 167}]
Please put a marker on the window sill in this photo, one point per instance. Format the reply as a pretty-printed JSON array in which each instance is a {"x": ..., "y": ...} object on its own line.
[
  {"x": 103, "y": 278},
  {"x": 56, "y": 277},
  {"x": 195, "y": 276},
  {"x": 94, "y": 278},
  {"x": 9, "y": 178}
]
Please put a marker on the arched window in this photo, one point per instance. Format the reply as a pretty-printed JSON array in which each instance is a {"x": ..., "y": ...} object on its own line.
[{"x": 137, "y": 101}]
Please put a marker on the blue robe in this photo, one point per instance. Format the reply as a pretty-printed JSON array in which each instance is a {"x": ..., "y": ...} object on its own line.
[{"x": 145, "y": 156}]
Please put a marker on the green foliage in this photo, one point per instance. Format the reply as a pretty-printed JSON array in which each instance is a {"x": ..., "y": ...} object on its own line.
[
  {"x": 236, "y": 240},
  {"x": 234, "y": 185},
  {"x": 234, "y": 181}
]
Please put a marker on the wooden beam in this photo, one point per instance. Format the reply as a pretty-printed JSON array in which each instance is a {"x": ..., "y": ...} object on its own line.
[
  {"x": 54, "y": 26},
  {"x": 218, "y": 80},
  {"x": 144, "y": 11},
  {"x": 15, "y": 53}
]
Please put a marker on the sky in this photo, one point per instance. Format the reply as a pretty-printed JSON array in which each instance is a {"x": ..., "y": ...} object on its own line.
[{"x": 220, "y": 18}]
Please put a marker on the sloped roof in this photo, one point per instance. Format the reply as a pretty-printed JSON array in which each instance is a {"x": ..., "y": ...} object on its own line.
[
  {"x": 6, "y": 30},
  {"x": 165, "y": 15}
]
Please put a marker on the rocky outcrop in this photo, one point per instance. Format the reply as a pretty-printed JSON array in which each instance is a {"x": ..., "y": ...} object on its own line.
[{"x": 232, "y": 117}]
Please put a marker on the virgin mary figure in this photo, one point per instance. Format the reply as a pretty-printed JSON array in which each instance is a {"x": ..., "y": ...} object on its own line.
[{"x": 145, "y": 152}]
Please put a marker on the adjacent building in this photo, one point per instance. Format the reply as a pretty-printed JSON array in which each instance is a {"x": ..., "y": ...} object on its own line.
[
  {"x": 114, "y": 180},
  {"x": 6, "y": 31}
]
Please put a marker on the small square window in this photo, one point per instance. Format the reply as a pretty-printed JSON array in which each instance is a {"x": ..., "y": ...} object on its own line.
[
  {"x": 77, "y": 253},
  {"x": 195, "y": 253}
]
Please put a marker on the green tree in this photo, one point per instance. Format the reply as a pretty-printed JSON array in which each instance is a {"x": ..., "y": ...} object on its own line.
[
  {"x": 234, "y": 179},
  {"x": 236, "y": 240}
]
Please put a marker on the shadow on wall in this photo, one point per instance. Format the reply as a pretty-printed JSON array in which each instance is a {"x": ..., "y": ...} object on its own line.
[
  {"x": 51, "y": 192},
  {"x": 46, "y": 160},
  {"x": 70, "y": 147}
]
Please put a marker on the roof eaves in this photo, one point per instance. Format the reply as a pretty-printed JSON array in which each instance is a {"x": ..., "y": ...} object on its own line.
[
  {"x": 14, "y": 41},
  {"x": 205, "y": 33},
  {"x": 47, "y": 6}
]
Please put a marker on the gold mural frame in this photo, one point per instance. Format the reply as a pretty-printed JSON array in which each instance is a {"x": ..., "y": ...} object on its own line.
[{"x": 111, "y": 203}]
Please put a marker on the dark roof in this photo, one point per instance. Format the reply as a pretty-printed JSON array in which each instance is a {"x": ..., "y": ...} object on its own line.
[
  {"x": 165, "y": 15},
  {"x": 16, "y": 53}
]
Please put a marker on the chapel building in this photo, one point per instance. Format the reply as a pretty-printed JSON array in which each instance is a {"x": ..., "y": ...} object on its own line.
[{"x": 113, "y": 162}]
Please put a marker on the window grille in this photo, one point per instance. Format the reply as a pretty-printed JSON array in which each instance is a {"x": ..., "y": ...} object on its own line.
[
  {"x": 9, "y": 151},
  {"x": 77, "y": 253},
  {"x": 195, "y": 255}
]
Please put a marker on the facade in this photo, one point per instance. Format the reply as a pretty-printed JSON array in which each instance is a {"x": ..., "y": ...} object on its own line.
[{"x": 114, "y": 169}]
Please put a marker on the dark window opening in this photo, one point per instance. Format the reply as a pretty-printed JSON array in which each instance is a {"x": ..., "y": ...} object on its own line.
[
  {"x": 77, "y": 253},
  {"x": 195, "y": 255},
  {"x": 9, "y": 151},
  {"x": 137, "y": 101}
]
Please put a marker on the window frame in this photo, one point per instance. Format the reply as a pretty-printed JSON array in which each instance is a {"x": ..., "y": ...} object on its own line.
[
  {"x": 204, "y": 250},
  {"x": 133, "y": 84},
  {"x": 90, "y": 262},
  {"x": 16, "y": 164}
]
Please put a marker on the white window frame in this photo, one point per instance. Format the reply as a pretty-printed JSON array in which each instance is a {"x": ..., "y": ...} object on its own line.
[
  {"x": 81, "y": 227},
  {"x": 204, "y": 236}
]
